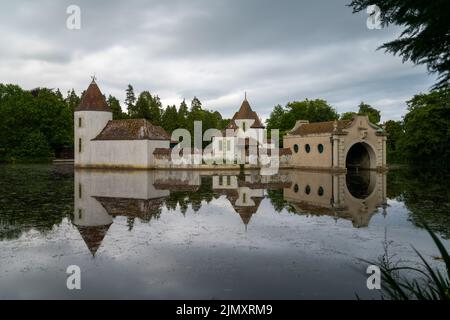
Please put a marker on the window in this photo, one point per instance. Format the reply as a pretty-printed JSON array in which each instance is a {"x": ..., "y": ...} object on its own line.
[
  {"x": 307, "y": 148},
  {"x": 308, "y": 189},
  {"x": 220, "y": 145},
  {"x": 79, "y": 191},
  {"x": 228, "y": 180},
  {"x": 320, "y": 148},
  {"x": 80, "y": 122},
  {"x": 244, "y": 198},
  {"x": 244, "y": 126},
  {"x": 79, "y": 145},
  {"x": 296, "y": 188},
  {"x": 228, "y": 145},
  {"x": 296, "y": 148},
  {"x": 320, "y": 192},
  {"x": 80, "y": 213}
]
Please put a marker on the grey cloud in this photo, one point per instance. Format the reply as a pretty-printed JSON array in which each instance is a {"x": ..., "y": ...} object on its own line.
[{"x": 278, "y": 51}]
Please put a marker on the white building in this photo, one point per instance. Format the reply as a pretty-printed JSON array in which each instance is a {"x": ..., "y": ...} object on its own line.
[
  {"x": 243, "y": 140},
  {"x": 106, "y": 143}
]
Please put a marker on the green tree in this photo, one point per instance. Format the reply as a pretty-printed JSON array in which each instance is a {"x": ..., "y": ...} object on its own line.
[
  {"x": 115, "y": 107},
  {"x": 425, "y": 38},
  {"x": 183, "y": 113},
  {"x": 276, "y": 117},
  {"x": 317, "y": 110},
  {"x": 373, "y": 114},
  {"x": 42, "y": 115},
  {"x": 155, "y": 110},
  {"x": 34, "y": 147},
  {"x": 170, "y": 119},
  {"x": 394, "y": 129},
  {"x": 72, "y": 100},
  {"x": 312, "y": 110},
  {"x": 196, "y": 105},
  {"x": 195, "y": 114},
  {"x": 142, "y": 107},
  {"x": 130, "y": 101},
  {"x": 148, "y": 107},
  {"x": 427, "y": 128},
  {"x": 348, "y": 115}
]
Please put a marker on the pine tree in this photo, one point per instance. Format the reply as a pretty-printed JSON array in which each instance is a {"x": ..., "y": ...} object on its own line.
[
  {"x": 142, "y": 106},
  {"x": 155, "y": 110},
  {"x": 72, "y": 100},
  {"x": 130, "y": 100},
  {"x": 183, "y": 114},
  {"x": 116, "y": 109},
  {"x": 169, "y": 119}
]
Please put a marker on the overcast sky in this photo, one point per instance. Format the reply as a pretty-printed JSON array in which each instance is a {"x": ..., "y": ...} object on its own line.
[{"x": 277, "y": 51}]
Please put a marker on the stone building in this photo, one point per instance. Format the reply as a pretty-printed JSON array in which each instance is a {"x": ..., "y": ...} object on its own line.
[{"x": 337, "y": 145}]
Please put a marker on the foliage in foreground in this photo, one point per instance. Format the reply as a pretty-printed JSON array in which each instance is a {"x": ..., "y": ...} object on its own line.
[
  {"x": 425, "y": 37},
  {"x": 431, "y": 283}
]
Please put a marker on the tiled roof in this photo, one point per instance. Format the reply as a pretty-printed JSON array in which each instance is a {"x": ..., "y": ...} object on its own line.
[
  {"x": 320, "y": 127},
  {"x": 245, "y": 112},
  {"x": 132, "y": 129},
  {"x": 93, "y": 236},
  {"x": 134, "y": 208},
  {"x": 93, "y": 100}
]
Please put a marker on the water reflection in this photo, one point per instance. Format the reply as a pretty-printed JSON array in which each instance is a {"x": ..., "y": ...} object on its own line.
[
  {"x": 209, "y": 235},
  {"x": 354, "y": 196},
  {"x": 100, "y": 196}
]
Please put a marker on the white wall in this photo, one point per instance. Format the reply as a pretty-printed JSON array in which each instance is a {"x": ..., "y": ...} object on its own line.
[{"x": 92, "y": 123}]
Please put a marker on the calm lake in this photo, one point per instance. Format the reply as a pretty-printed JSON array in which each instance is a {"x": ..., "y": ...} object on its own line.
[{"x": 211, "y": 235}]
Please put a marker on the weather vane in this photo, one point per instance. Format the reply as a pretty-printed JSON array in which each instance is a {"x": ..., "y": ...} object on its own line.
[{"x": 93, "y": 78}]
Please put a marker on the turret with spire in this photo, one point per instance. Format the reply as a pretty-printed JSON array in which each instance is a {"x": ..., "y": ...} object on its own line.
[{"x": 91, "y": 116}]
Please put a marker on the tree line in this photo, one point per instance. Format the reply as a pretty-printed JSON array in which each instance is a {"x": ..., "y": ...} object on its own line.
[{"x": 37, "y": 125}]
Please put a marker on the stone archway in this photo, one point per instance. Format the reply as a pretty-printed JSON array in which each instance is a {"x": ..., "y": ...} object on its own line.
[{"x": 360, "y": 156}]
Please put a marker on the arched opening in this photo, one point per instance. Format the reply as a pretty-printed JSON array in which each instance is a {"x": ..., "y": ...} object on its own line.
[
  {"x": 360, "y": 184},
  {"x": 360, "y": 156}
]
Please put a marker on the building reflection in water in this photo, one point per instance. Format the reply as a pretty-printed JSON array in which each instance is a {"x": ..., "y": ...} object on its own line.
[
  {"x": 245, "y": 192},
  {"x": 354, "y": 196},
  {"x": 100, "y": 196}
]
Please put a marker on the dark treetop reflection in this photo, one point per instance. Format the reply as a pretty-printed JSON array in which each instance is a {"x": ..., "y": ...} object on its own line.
[{"x": 199, "y": 234}]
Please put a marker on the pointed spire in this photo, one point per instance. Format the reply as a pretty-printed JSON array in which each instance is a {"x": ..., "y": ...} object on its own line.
[
  {"x": 93, "y": 236},
  {"x": 93, "y": 99}
]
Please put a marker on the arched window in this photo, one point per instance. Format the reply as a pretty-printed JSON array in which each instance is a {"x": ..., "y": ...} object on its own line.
[
  {"x": 320, "y": 192},
  {"x": 307, "y": 148},
  {"x": 320, "y": 148},
  {"x": 296, "y": 188},
  {"x": 296, "y": 148},
  {"x": 308, "y": 189}
]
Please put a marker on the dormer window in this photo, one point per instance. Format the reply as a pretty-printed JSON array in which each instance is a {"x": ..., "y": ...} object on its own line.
[{"x": 244, "y": 126}]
